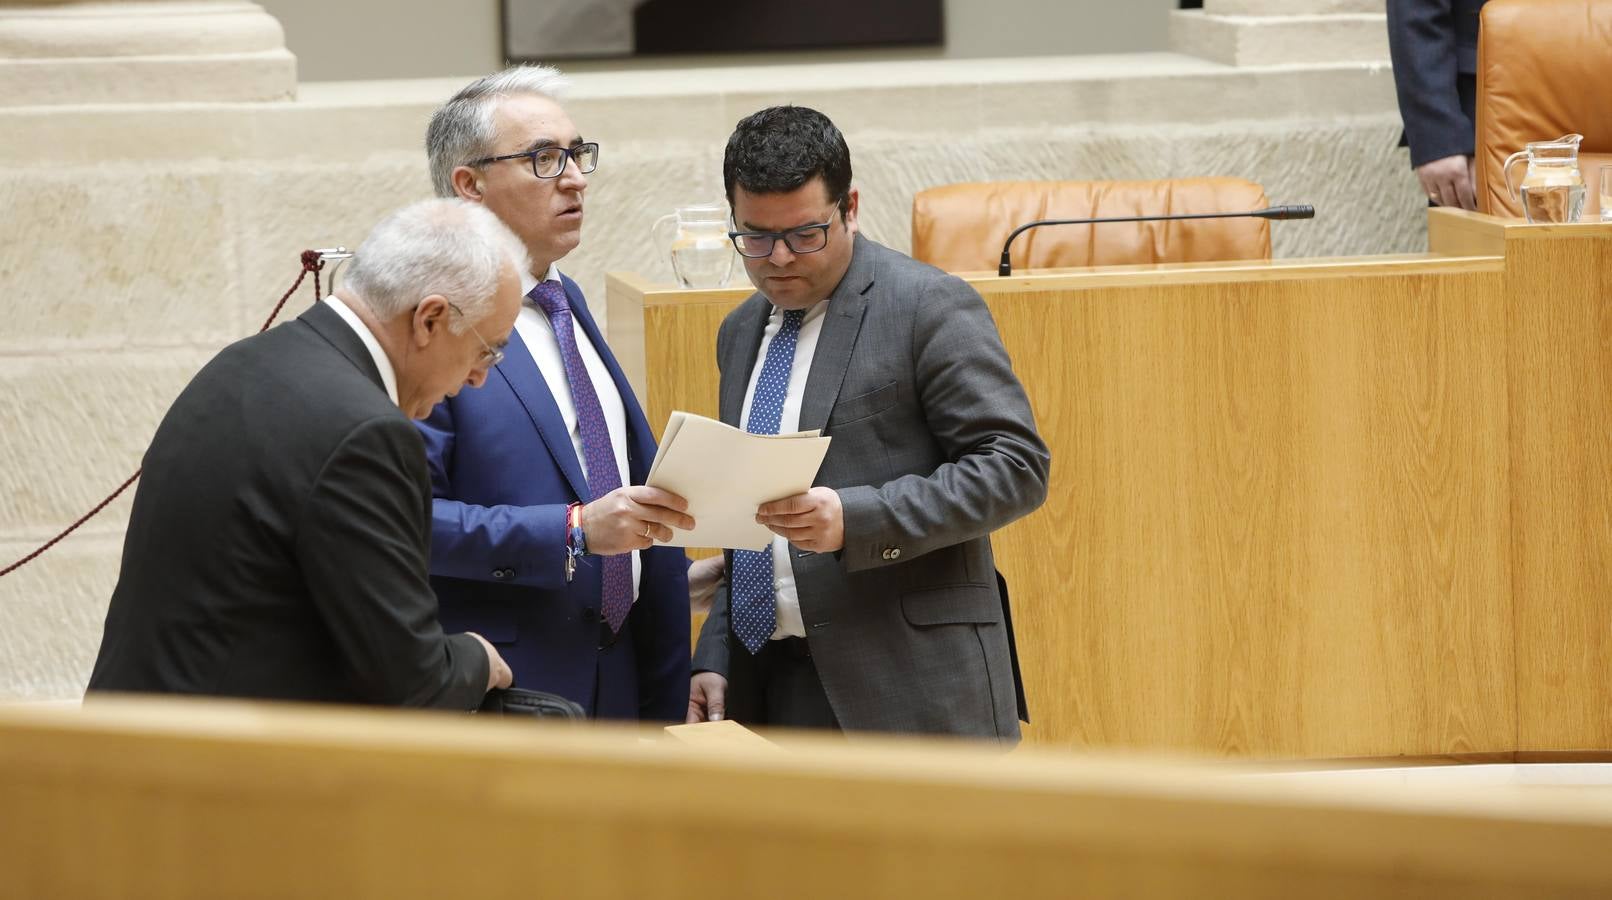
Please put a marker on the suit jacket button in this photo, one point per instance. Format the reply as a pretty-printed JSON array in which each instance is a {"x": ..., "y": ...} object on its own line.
[
  {"x": 499, "y": 575},
  {"x": 895, "y": 552},
  {"x": 886, "y": 553},
  {"x": 590, "y": 615}
]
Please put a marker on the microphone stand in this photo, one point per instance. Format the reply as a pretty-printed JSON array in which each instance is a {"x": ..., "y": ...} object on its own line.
[{"x": 1271, "y": 212}]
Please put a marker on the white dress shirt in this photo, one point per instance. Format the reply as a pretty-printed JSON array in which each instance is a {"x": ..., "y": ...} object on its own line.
[
  {"x": 537, "y": 332},
  {"x": 789, "y": 623},
  {"x": 382, "y": 362}
]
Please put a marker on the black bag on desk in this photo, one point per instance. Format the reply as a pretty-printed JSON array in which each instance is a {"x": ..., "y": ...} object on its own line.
[{"x": 519, "y": 702}]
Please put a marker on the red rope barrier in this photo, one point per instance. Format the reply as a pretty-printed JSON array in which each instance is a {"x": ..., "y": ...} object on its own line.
[{"x": 311, "y": 262}]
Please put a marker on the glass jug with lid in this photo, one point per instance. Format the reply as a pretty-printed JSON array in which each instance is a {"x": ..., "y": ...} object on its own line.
[
  {"x": 695, "y": 240},
  {"x": 1552, "y": 187}
]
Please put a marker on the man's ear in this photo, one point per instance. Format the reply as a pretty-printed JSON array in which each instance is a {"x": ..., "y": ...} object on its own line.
[
  {"x": 430, "y": 319},
  {"x": 467, "y": 184},
  {"x": 851, "y": 198}
]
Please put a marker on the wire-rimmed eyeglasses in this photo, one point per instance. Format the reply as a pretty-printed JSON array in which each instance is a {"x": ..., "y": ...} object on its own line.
[
  {"x": 490, "y": 355},
  {"x": 549, "y": 162}
]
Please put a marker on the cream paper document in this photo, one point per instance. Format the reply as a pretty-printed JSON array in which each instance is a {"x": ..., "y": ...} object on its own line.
[{"x": 725, "y": 474}]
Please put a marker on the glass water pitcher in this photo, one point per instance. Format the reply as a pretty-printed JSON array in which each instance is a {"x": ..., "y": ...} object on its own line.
[
  {"x": 1552, "y": 187},
  {"x": 695, "y": 240}
]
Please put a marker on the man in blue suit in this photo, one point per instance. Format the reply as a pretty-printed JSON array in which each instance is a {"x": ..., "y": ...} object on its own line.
[{"x": 543, "y": 534}]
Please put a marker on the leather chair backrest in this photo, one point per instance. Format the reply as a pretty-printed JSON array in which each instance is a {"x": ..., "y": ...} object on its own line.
[
  {"x": 961, "y": 227},
  {"x": 1544, "y": 70}
]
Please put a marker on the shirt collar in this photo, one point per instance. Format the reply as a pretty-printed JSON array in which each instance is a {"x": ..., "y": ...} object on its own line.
[
  {"x": 814, "y": 311},
  {"x": 388, "y": 375},
  {"x": 528, "y": 281}
]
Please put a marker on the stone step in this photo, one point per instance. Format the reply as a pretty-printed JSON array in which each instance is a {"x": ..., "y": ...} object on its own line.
[
  {"x": 152, "y": 51},
  {"x": 1271, "y": 40},
  {"x": 1291, "y": 7}
]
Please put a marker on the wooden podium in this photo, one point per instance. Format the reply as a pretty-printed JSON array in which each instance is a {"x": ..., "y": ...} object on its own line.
[{"x": 1313, "y": 508}]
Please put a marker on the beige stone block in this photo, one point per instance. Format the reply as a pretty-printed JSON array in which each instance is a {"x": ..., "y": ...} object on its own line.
[
  {"x": 55, "y": 53},
  {"x": 291, "y": 206},
  {"x": 1280, "y": 39},
  {"x": 77, "y": 426},
  {"x": 114, "y": 255},
  {"x": 271, "y": 75},
  {"x": 1291, "y": 7},
  {"x": 926, "y": 111},
  {"x": 1224, "y": 96},
  {"x": 641, "y": 122},
  {"x": 51, "y": 616}
]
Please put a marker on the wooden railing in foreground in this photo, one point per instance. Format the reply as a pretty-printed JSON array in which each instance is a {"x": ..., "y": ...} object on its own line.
[
  {"x": 204, "y": 799},
  {"x": 1321, "y": 508}
]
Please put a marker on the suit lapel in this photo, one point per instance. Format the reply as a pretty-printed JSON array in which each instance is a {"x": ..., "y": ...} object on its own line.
[
  {"x": 750, "y": 323},
  {"x": 520, "y": 372},
  {"x": 841, "y": 325}
]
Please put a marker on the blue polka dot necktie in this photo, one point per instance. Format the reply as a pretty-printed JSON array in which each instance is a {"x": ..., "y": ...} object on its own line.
[
  {"x": 604, "y": 475},
  {"x": 753, "y": 611}
]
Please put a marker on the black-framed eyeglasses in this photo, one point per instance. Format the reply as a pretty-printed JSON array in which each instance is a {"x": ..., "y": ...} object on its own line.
[
  {"x": 805, "y": 239},
  {"x": 490, "y": 355},
  {"x": 549, "y": 162}
]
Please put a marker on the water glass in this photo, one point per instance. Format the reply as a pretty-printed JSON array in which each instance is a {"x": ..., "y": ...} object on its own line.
[{"x": 1605, "y": 182}]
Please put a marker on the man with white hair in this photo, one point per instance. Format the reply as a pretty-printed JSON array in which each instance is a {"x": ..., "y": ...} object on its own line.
[
  {"x": 278, "y": 542},
  {"x": 543, "y": 533}
]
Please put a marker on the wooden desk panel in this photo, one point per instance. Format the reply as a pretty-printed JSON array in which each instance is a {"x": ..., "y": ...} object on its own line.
[
  {"x": 1277, "y": 524},
  {"x": 1559, "y": 291}
]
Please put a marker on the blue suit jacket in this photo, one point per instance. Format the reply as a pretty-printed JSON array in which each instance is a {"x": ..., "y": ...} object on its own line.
[{"x": 502, "y": 473}]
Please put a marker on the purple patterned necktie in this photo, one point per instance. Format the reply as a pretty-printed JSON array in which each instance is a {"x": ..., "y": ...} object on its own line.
[
  {"x": 753, "y": 603},
  {"x": 604, "y": 475}
]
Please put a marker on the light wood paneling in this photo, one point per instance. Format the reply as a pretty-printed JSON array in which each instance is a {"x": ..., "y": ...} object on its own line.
[
  {"x": 1559, "y": 293},
  {"x": 189, "y": 799},
  {"x": 1458, "y": 232},
  {"x": 1278, "y": 518}
]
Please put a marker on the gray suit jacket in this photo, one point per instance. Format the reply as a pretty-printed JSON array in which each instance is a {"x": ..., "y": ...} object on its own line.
[{"x": 934, "y": 448}]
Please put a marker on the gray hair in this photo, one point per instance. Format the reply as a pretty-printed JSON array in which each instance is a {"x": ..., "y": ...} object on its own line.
[
  {"x": 448, "y": 246},
  {"x": 462, "y": 129}
]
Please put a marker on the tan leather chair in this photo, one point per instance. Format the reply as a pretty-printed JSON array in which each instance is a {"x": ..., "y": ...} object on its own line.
[
  {"x": 1544, "y": 70},
  {"x": 961, "y": 227}
]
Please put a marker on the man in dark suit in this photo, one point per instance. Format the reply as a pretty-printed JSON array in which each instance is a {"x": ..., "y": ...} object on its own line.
[
  {"x": 1434, "y": 45},
  {"x": 543, "y": 533},
  {"x": 278, "y": 542},
  {"x": 878, "y": 606}
]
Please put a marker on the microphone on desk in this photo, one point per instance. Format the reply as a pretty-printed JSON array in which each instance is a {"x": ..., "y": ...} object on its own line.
[{"x": 1270, "y": 212}]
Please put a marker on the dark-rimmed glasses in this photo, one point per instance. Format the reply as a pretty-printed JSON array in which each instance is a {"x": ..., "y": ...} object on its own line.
[
  {"x": 549, "y": 162},
  {"x": 759, "y": 244},
  {"x": 490, "y": 355}
]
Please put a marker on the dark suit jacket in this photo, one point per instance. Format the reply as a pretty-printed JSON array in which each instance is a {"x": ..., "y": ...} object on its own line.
[
  {"x": 278, "y": 542},
  {"x": 503, "y": 470},
  {"x": 1434, "y": 46},
  {"x": 934, "y": 448}
]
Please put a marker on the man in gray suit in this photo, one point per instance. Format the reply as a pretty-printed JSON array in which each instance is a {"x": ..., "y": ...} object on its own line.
[{"x": 878, "y": 606}]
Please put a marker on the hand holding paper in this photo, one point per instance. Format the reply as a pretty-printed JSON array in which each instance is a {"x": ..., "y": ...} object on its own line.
[
  {"x": 812, "y": 521},
  {"x": 633, "y": 518},
  {"x": 726, "y": 475}
]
